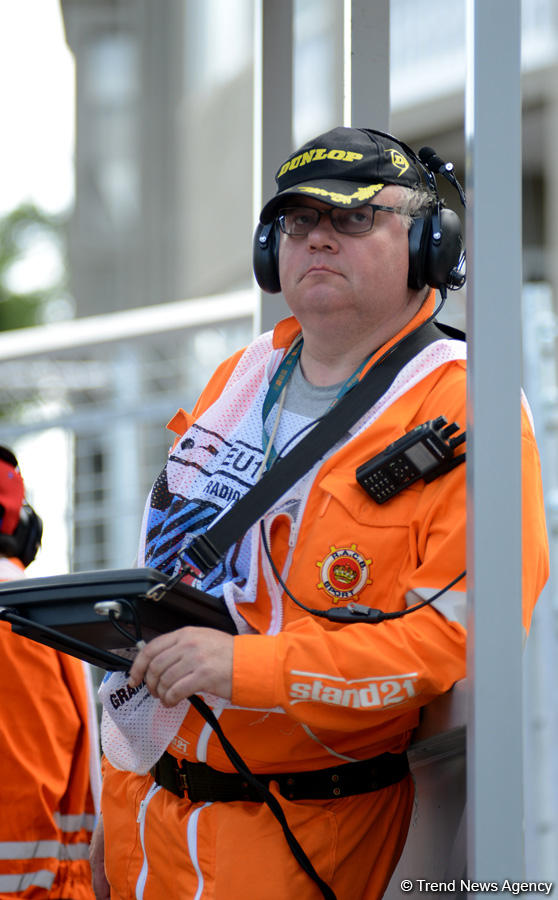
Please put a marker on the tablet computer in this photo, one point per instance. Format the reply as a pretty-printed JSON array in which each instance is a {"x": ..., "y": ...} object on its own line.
[{"x": 92, "y": 615}]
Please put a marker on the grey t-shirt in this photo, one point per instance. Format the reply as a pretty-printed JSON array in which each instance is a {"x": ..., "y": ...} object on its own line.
[{"x": 307, "y": 399}]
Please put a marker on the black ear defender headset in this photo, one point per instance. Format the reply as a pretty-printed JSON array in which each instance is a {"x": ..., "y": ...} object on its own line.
[
  {"x": 436, "y": 255},
  {"x": 24, "y": 542}
]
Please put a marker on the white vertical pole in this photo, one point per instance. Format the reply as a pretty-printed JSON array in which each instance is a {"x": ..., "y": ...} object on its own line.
[
  {"x": 541, "y": 652},
  {"x": 494, "y": 739},
  {"x": 123, "y": 465},
  {"x": 273, "y": 118},
  {"x": 366, "y": 64}
]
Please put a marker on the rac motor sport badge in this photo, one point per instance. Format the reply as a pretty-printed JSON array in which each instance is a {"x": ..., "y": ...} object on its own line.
[{"x": 344, "y": 573}]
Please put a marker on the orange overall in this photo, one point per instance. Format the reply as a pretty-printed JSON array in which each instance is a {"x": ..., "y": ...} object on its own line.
[
  {"x": 45, "y": 795},
  {"x": 307, "y": 693}
]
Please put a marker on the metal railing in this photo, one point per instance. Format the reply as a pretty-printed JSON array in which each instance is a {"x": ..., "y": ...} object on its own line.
[{"x": 85, "y": 404}]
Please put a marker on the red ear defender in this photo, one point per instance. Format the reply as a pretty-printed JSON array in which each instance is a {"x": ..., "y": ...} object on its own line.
[
  {"x": 11, "y": 492},
  {"x": 21, "y": 529}
]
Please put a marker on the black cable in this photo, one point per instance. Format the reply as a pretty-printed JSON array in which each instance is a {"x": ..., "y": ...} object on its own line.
[
  {"x": 268, "y": 798},
  {"x": 110, "y": 661},
  {"x": 321, "y": 613},
  {"x": 427, "y": 321},
  {"x": 113, "y": 617},
  {"x": 410, "y": 609},
  {"x": 353, "y": 612},
  {"x": 116, "y": 624}
]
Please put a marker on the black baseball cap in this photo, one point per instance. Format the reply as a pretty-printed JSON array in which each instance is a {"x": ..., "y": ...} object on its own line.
[{"x": 345, "y": 167}]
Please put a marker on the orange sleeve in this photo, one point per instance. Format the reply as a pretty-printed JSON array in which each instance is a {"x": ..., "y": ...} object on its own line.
[{"x": 326, "y": 675}]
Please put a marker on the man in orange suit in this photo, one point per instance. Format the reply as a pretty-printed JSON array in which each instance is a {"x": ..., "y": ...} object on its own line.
[
  {"x": 48, "y": 812},
  {"x": 321, "y": 710}
]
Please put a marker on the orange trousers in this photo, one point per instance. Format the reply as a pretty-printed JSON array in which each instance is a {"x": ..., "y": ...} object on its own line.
[{"x": 160, "y": 847}]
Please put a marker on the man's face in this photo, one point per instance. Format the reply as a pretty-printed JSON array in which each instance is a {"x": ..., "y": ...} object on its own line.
[{"x": 350, "y": 281}]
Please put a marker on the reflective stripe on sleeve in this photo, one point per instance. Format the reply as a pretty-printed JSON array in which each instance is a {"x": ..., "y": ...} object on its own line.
[
  {"x": 75, "y": 822},
  {"x": 14, "y": 884},
  {"x": 75, "y": 851},
  {"x": 452, "y": 604},
  {"x": 43, "y": 850},
  {"x": 29, "y": 849}
]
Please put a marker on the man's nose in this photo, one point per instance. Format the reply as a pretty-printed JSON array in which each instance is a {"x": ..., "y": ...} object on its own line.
[{"x": 323, "y": 233}]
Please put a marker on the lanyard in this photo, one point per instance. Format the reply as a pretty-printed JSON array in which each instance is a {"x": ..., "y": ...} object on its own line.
[
  {"x": 281, "y": 379},
  {"x": 208, "y": 549},
  {"x": 276, "y": 392},
  {"x": 278, "y": 387}
]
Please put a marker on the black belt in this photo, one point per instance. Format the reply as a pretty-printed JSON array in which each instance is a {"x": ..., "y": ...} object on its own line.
[{"x": 203, "y": 784}]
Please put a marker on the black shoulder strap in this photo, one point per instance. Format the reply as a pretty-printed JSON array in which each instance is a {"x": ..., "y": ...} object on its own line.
[
  {"x": 449, "y": 331},
  {"x": 207, "y": 549}
]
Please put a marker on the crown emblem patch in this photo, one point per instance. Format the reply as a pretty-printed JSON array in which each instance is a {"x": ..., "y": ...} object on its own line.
[{"x": 344, "y": 573}]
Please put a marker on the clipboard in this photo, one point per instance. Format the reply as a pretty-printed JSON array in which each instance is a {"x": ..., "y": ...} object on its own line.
[{"x": 92, "y": 615}]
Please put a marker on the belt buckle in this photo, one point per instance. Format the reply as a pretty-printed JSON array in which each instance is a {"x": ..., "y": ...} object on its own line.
[{"x": 181, "y": 773}]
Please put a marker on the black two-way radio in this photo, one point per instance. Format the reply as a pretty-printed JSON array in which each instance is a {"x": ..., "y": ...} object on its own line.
[{"x": 425, "y": 452}]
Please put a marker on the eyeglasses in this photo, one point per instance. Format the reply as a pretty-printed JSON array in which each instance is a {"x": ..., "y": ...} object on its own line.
[{"x": 298, "y": 221}]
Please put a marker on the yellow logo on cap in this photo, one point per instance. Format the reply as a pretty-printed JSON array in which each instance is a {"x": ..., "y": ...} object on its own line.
[
  {"x": 361, "y": 193},
  {"x": 316, "y": 154},
  {"x": 399, "y": 161}
]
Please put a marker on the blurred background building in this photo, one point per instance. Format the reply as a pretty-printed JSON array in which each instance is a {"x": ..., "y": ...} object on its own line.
[{"x": 165, "y": 131}]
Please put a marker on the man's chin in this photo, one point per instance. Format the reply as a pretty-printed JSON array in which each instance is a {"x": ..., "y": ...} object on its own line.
[{"x": 324, "y": 308}]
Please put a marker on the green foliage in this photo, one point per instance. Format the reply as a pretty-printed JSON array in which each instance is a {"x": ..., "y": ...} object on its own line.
[{"x": 19, "y": 229}]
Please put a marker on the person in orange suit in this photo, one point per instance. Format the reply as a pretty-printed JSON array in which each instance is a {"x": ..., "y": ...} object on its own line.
[
  {"x": 319, "y": 702},
  {"x": 48, "y": 757}
]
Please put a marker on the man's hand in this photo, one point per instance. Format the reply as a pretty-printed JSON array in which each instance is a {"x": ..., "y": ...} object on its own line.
[
  {"x": 185, "y": 662},
  {"x": 97, "y": 863}
]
